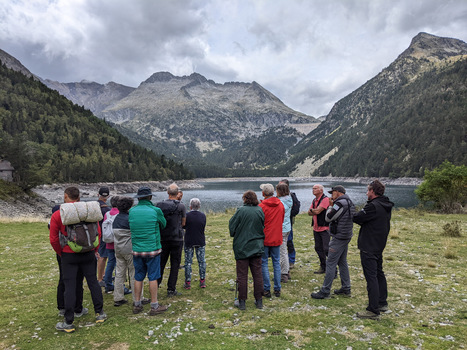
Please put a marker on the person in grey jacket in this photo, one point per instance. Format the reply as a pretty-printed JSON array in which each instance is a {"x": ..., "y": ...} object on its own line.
[{"x": 339, "y": 215}]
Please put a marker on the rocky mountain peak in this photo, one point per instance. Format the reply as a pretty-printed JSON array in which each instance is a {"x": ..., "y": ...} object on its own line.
[
  {"x": 426, "y": 45},
  {"x": 159, "y": 77},
  {"x": 12, "y": 63}
]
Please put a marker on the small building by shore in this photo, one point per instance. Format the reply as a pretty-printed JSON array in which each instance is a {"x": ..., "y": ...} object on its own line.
[{"x": 6, "y": 170}]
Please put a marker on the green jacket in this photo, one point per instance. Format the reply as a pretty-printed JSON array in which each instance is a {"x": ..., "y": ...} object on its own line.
[
  {"x": 146, "y": 221},
  {"x": 246, "y": 226}
]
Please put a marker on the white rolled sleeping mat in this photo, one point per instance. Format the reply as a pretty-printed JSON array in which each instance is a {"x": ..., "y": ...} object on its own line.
[{"x": 72, "y": 213}]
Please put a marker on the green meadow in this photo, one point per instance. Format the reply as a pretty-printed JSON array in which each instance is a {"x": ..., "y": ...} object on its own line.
[{"x": 426, "y": 273}]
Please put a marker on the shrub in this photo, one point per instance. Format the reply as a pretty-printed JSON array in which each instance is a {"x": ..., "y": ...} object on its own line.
[{"x": 452, "y": 229}]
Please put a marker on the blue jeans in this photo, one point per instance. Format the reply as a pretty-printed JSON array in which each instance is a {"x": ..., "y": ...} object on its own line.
[
  {"x": 200, "y": 256},
  {"x": 337, "y": 256},
  {"x": 275, "y": 254},
  {"x": 109, "y": 270},
  {"x": 292, "y": 251}
]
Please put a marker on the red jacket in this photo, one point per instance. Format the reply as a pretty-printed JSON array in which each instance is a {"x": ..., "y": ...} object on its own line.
[
  {"x": 273, "y": 218},
  {"x": 56, "y": 226}
]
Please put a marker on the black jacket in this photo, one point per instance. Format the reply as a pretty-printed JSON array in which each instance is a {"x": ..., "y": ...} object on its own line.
[
  {"x": 374, "y": 220},
  {"x": 173, "y": 211},
  {"x": 340, "y": 217}
]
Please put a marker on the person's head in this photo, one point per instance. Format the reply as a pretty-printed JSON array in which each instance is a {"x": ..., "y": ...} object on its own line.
[
  {"x": 250, "y": 198},
  {"x": 104, "y": 193},
  {"x": 124, "y": 204},
  {"x": 144, "y": 193},
  {"x": 267, "y": 189},
  {"x": 375, "y": 189},
  {"x": 71, "y": 194},
  {"x": 285, "y": 181},
  {"x": 180, "y": 195},
  {"x": 172, "y": 191},
  {"x": 114, "y": 201},
  {"x": 337, "y": 191},
  {"x": 195, "y": 204},
  {"x": 282, "y": 190},
  {"x": 318, "y": 190}
]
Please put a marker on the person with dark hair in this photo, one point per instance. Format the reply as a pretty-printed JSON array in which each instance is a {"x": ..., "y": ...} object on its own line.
[
  {"x": 109, "y": 247},
  {"x": 195, "y": 241},
  {"x": 293, "y": 213},
  {"x": 283, "y": 194},
  {"x": 104, "y": 193},
  {"x": 320, "y": 226},
  {"x": 375, "y": 223},
  {"x": 72, "y": 265},
  {"x": 246, "y": 227},
  {"x": 146, "y": 220}
]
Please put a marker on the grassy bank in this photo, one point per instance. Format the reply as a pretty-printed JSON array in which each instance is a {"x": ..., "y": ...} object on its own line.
[{"x": 427, "y": 296}]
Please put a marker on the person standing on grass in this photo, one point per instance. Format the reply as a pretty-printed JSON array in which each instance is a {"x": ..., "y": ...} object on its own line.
[
  {"x": 72, "y": 265},
  {"x": 293, "y": 213},
  {"x": 109, "y": 247},
  {"x": 339, "y": 214},
  {"x": 104, "y": 193},
  {"x": 195, "y": 241},
  {"x": 375, "y": 223},
  {"x": 283, "y": 194},
  {"x": 320, "y": 226},
  {"x": 146, "y": 220},
  {"x": 273, "y": 218},
  {"x": 246, "y": 227}
]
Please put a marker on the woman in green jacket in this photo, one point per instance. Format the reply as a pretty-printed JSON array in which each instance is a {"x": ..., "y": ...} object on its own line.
[{"x": 246, "y": 226}]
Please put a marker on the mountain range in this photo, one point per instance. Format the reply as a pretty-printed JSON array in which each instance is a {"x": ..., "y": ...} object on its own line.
[{"x": 408, "y": 118}]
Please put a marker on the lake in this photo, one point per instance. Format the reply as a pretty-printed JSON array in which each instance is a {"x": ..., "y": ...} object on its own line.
[{"x": 217, "y": 196}]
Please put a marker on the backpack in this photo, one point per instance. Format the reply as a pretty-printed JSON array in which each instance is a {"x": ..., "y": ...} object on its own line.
[
  {"x": 107, "y": 231},
  {"x": 81, "y": 237},
  {"x": 295, "y": 205}
]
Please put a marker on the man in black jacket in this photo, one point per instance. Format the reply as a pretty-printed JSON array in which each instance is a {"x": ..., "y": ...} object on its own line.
[{"x": 374, "y": 220}]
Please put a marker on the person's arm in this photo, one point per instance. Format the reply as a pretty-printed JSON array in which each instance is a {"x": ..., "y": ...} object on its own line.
[
  {"x": 233, "y": 224},
  {"x": 161, "y": 219},
  {"x": 366, "y": 214},
  {"x": 54, "y": 232},
  {"x": 334, "y": 213}
]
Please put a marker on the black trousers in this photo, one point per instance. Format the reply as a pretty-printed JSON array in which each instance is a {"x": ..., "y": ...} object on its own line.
[
  {"x": 322, "y": 239},
  {"x": 172, "y": 249},
  {"x": 61, "y": 289},
  {"x": 72, "y": 265},
  {"x": 376, "y": 284}
]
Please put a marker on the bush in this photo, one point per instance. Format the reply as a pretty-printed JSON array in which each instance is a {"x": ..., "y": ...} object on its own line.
[{"x": 452, "y": 229}]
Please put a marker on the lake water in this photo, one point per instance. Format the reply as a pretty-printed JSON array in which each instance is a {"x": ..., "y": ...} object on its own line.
[{"x": 217, "y": 196}]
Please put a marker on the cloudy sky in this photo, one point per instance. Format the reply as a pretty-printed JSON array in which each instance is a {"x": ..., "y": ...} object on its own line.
[{"x": 309, "y": 53}]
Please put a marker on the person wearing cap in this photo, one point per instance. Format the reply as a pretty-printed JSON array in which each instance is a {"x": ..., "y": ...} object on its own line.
[
  {"x": 374, "y": 220},
  {"x": 320, "y": 226},
  {"x": 104, "y": 193},
  {"x": 146, "y": 220},
  {"x": 339, "y": 215},
  {"x": 273, "y": 218}
]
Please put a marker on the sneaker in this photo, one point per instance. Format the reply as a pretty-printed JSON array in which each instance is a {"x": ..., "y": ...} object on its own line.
[
  {"x": 320, "y": 295},
  {"x": 65, "y": 327},
  {"x": 61, "y": 312},
  {"x": 187, "y": 285},
  {"x": 277, "y": 293},
  {"x": 367, "y": 315},
  {"x": 284, "y": 278},
  {"x": 202, "y": 283},
  {"x": 109, "y": 290},
  {"x": 267, "y": 293},
  {"x": 155, "y": 311},
  {"x": 383, "y": 308},
  {"x": 291, "y": 265},
  {"x": 320, "y": 271},
  {"x": 173, "y": 293},
  {"x": 259, "y": 303},
  {"x": 344, "y": 292},
  {"x": 102, "y": 284},
  {"x": 126, "y": 291},
  {"x": 101, "y": 317},
  {"x": 241, "y": 304},
  {"x": 145, "y": 301},
  {"x": 137, "y": 309},
  {"x": 83, "y": 312},
  {"x": 120, "y": 302}
]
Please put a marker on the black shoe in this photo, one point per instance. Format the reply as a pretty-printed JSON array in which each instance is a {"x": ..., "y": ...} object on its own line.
[
  {"x": 259, "y": 303},
  {"x": 267, "y": 293},
  {"x": 320, "y": 295},
  {"x": 120, "y": 302},
  {"x": 241, "y": 304},
  {"x": 320, "y": 271},
  {"x": 343, "y": 292},
  {"x": 173, "y": 293},
  {"x": 277, "y": 293}
]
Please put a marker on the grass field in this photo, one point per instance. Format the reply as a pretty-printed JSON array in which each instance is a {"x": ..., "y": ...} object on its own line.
[{"x": 426, "y": 274}]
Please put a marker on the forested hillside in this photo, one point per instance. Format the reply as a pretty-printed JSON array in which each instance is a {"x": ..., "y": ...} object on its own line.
[{"x": 49, "y": 139}]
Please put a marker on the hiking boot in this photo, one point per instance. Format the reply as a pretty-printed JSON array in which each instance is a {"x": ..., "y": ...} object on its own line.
[
  {"x": 259, "y": 303},
  {"x": 155, "y": 311},
  {"x": 383, "y": 308},
  {"x": 343, "y": 292},
  {"x": 277, "y": 293},
  {"x": 83, "y": 312},
  {"x": 284, "y": 278},
  {"x": 241, "y": 304},
  {"x": 187, "y": 285},
  {"x": 109, "y": 290},
  {"x": 102, "y": 284},
  {"x": 137, "y": 309},
  {"x": 367, "y": 315},
  {"x": 61, "y": 312},
  {"x": 320, "y": 271},
  {"x": 202, "y": 283},
  {"x": 145, "y": 301},
  {"x": 120, "y": 302},
  {"x": 126, "y": 291},
  {"x": 320, "y": 295},
  {"x": 267, "y": 293},
  {"x": 101, "y": 317},
  {"x": 173, "y": 293},
  {"x": 65, "y": 327}
]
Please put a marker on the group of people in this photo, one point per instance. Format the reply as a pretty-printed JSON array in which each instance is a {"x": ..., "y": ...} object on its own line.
[
  {"x": 260, "y": 230},
  {"x": 146, "y": 236}
]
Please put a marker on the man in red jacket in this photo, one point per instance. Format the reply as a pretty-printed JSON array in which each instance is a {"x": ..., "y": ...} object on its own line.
[
  {"x": 73, "y": 264},
  {"x": 273, "y": 218}
]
